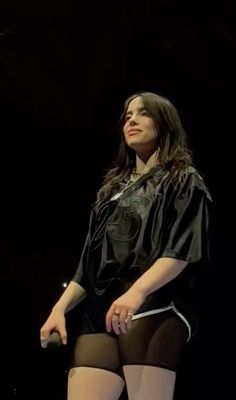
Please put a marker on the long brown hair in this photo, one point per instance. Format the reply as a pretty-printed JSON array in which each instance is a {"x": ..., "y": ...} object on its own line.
[{"x": 174, "y": 153}]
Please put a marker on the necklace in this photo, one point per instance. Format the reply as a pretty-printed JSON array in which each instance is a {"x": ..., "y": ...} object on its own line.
[
  {"x": 129, "y": 183},
  {"x": 134, "y": 177}
]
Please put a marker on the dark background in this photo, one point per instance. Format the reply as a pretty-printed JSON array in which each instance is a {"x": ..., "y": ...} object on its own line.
[{"x": 65, "y": 70}]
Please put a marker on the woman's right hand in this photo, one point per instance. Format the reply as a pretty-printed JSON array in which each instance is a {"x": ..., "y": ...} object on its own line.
[{"x": 55, "y": 322}]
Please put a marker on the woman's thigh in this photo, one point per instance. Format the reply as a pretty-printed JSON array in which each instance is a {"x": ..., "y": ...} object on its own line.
[
  {"x": 97, "y": 350},
  {"x": 156, "y": 340}
]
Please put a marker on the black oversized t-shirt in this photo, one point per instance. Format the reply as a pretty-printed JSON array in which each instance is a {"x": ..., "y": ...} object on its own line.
[{"x": 153, "y": 218}]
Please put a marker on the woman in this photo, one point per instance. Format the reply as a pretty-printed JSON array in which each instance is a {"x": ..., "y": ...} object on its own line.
[{"x": 147, "y": 243}]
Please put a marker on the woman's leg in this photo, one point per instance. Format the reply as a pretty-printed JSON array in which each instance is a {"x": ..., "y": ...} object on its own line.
[
  {"x": 148, "y": 382},
  {"x": 93, "y": 384},
  {"x": 150, "y": 354},
  {"x": 95, "y": 372}
]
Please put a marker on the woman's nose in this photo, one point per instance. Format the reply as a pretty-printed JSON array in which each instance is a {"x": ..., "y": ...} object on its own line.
[{"x": 133, "y": 120}]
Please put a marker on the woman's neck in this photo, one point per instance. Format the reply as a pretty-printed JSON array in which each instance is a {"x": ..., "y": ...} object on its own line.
[{"x": 144, "y": 166}]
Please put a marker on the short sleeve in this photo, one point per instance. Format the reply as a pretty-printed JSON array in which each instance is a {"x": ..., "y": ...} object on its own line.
[
  {"x": 80, "y": 275},
  {"x": 187, "y": 230}
]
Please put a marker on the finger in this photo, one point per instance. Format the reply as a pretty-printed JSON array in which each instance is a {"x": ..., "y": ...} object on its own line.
[
  {"x": 63, "y": 336},
  {"x": 115, "y": 324},
  {"x": 44, "y": 333},
  {"x": 122, "y": 321},
  {"x": 109, "y": 319},
  {"x": 44, "y": 338},
  {"x": 129, "y": 321},
  {"x": 122, "y": 326}
]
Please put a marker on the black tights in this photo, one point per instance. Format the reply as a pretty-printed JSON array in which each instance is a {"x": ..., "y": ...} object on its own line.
[{"x": 155, "y": 340}]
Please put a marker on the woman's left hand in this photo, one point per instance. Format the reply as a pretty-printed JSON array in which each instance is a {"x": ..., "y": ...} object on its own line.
[{"x": 119, "y": 315}]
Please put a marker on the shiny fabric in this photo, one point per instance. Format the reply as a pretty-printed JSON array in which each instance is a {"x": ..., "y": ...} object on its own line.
[{"x": 153, "y": 218}]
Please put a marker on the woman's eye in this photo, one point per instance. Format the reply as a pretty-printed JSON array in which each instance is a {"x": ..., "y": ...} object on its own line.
[{"x": 144, "y": 112}]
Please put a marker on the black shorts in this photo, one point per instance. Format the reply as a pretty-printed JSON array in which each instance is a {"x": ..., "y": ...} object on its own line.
[{"x": 155, "y": 340}]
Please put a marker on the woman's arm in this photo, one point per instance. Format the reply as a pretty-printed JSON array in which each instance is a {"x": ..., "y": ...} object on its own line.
[
  {"x": 73, "y": 295},
  {"x": 159, "y": 274}
]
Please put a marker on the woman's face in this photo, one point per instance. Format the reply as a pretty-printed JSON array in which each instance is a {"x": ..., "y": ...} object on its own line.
[{"x": 139, "y": 129}]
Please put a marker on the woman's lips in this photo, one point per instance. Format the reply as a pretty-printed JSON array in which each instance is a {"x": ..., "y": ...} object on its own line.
[{"x": 132, "y": 132}]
